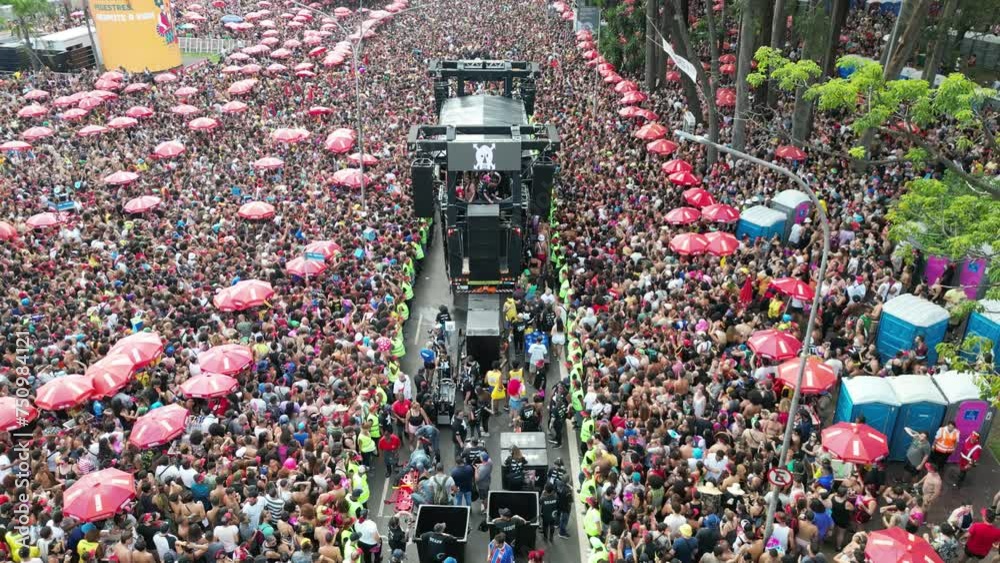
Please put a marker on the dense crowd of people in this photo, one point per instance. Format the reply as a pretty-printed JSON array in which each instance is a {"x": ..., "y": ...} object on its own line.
[{"x": 677, "y": 422}]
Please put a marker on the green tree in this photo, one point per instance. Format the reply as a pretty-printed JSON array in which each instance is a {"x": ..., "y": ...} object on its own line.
[
  {"x": 970, "y": 355},
  {"x": 25, "y": 12}
]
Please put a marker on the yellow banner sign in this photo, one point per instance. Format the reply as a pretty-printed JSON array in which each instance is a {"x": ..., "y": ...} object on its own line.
[{"x": 136, "y": 35}]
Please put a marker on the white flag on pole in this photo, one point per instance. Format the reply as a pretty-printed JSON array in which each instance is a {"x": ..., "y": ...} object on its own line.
[{"x": 683, "y": 64}]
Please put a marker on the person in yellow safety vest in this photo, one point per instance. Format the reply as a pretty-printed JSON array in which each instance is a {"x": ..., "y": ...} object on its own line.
[
  {"x": 591, "y": 456},
  {"x": 403, "y": 310},
  {"x": 418, "y": 251},
  {"x": 592, "y": 519},
  {"x": 588, "y": 489},
  {"x": 366, "y": 444},
  {"x": 354, "y": 505},
  {"x": 376, "y": 426},
  {"x": 587, "y": 428},
  {"x": 598, "y": 553},
  {"x": 407, "y": 290},
  {"x": 398, "y": 345}
]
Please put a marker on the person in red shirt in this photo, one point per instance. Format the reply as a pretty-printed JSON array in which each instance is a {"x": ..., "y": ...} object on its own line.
[
  {"x": 389, "y": 445},
  {"x": 399, "y": 408},
  {"x": 971, "y": 450},
  {"x": 983, "y": 537}
]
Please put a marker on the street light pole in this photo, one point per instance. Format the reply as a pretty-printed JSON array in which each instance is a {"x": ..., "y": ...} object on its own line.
[
  {"x": 772, "y": 504},
  {"x": 597, "y": 73}
]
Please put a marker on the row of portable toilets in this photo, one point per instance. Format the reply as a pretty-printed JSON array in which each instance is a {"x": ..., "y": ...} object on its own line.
[{"x": 922, "y": 403}]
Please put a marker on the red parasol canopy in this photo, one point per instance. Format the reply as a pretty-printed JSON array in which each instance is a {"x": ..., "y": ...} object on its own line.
[
  {"x": 136, "y": 87},
  {"x": 673, "y": 76},
  {"x": 896, "y": 545},
  {"x": 185, "y": 91},
  {"x": 7, "y": 231},
  {"x": 728, "y": 58},
  {"x": 696, "y": 196},
  {"x": 168, "y": 149},
  {"x": 234, "y": 107},
  {"x": 289, "y": 135},
  {"x": 184, "y": 110},
  {"x": 64, "y": 392},
  {"x": 689, "y": 243},
  {"x": 727, "y": 69},
  {"x": 632, "y": 98},
  {"x": 15, "y": 146},
  {"x": 855, "y": 443},
  {"x": 36, "y": 95},
  {"x": 120, "y": 178},
  {"x": 110, "y": 374},
  {"x": 629, "y": 111},
  {"x": 98, "y": 495},
  {"x": 350, "y": 177},
  {"x": 73, "y": 114},
  {"x": 90, "y": 103},
  {"x": 789, "y": 152},
  {"x": 16, "y": 413},
  {"x": 243, "y": 295},
  {"x": 142, "y": 348},
  {"x": 202, "y": 124},
  {"x": 720, "y": 213},
  {"x": 774, "y": 344},
  {"x": 268, "y": 163},
  {"x": 33, "y": 110},
  {"x": 139, "y": 112},
  {"x": 251, "y": 69},
  {"x": 256, "y": 211},
  {"x": 304, "y": 267},
  {"x": 651, "y": 132},
  {"x": 241, "y": 87},
  {"x": 662, "y": 147},
  {"x": 122, "y": 122},
  {"x": 92, "y": 131},
  {"x": 794, "y": 288},
  {"x": 817, "y": 378},
  {"x": 684, "y": 179},
  {"x": 626, "y": 86},
  {"x": 356, "y": 159},
  {"x": 319, "y": 110},
  {"x": 648, "y": 115},
  {"x": 142, "y": 204},
  {"x": 35, "y": 133},
  {"x": 158, "y": 426},
  {"x": 721, "y": 244},
  {"x": 725, "y": 97},
  {"x": 227, "y": 359},
  {"x": 675, "y": 166},
  {"x": 327, "y": 248},
  {"x": 165, "y": 77},
  {"x": 682, "y": 216},
  {"x": 45, "y": 220}
]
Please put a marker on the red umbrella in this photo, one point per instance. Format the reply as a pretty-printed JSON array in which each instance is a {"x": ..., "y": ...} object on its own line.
[
  {"x": 350, "y": 177},
  {"x": 855, "y": 443},
  {"x": 185, "y": 92},
  {"x": 648, "y": 115},
  {"x": 673, "y": 76},
  {"x": 241, "y": 87},
  {"x": 256, "y": 211},
  {"x": 168, "y": 149},
  {"x": 276, "y": 67},
  {"x": 682, "y": 216},
  {"x": 35, "y": 133},
  {"x": 184, "y": 110},
  {"x": 689, "y": 243},
  {"x": 120, "y": 178},
  {"x": 16, "y": 413},
  {"x": 355, "y": 159},
  {"x": 98, "y": 495},
  {"x": 774, "y": 344},
  {"x": 139, "y": 112},
  {"x": 92, "y": 131},
  {"x": 896, "y": 545},
  {"x": 662, "y": 147},
  {"x": 165, "y": 77},
  {"x": 158, "y": 426},
  {"x": 727, "y": 69},
  {"x": 142, "y": 204},
  {"x": 110, "y": 374},
  {"x": 720, "y": 213},
  {"x": 122, "y": 122},
  {"x": 268, "y": 163},
  {"x": 15, "y": 146},
  {"x": 234, "y": 107},
  {"x": 304, "y": 267},
  {"x": 7, "y": 231},
  {"x": 36, "y": 95},
  {"x": 684, "y": 179},
  {"x": 327, "y": 248},
  {"x": 728, "y": 58},
  {"x": 202, "y": 124},
  {"x": 251, "y": 69},
  {"x": 675, "y": 166},
  {"x": 289, "y": 135},
  {"x": 33, "y": 110},
  {"x": 725, "y": 97},
  {"x": 590, "y": 55},
  {"x": 612, "y": 78},
  {"x": 817, "y": 378},
  {"x": 243, "y": 295},
  {"x": 632, "y": 98},
  {"x": 319, "y": 110},
  {"x": 721, "y": 244},
  {"x": 789, "y": 152},
  {"x": 136, "y": 87},
  {"x": 142, "y": 348},
  {"x": 794, "y": 288},
  {"x": 73, "y": 114},
  {"x": 64, "y": 392},
  {"x": 64, "y": 101},
  {"x": 45, "y": 220},
  {"x": 630, "y": 111},
  {"x": 651, "y": 132},
  {"x": 696, "y": 196},
  {"x": 90, "y": 103},
  {"x": 227, "y": 359},
  {"x": 626, "y": 86},
  {"x": 338, "y": 144}
]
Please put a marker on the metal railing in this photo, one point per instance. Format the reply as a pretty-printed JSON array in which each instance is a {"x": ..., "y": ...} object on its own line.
[{"x": 209, "y": 44}]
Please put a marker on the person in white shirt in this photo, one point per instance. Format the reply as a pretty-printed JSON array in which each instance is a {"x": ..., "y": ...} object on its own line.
[
  {"x": 404, "y": 386},
  {"x": 187, "y": 474},
  {"x": 227, "y": 533},
  {"x": 716, "y": 464}
]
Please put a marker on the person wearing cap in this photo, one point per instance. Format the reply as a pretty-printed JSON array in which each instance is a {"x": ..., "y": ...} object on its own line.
[
  {"x": 971, "y": 450},
  {"x": 592, "y": 518},
  {"x": 684, "y": 545}
]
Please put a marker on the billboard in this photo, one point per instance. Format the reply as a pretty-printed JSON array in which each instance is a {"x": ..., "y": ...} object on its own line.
[{"x": 136, "y": 35}]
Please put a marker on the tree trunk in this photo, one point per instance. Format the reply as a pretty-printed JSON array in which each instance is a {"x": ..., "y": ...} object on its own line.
[
  {"x": 651, "y": 46},
  {"x": 694, "y": 104},
  {"x": 778, "y": 28},
  {"x": 912, "y": 16},
  {"x": 661, "y": 55},
  {"x": 763, "y": 38},
  {"x": 802, "y": 115},
  {"x": 838, "y": 18},
  {"x": 33, "y": 58},
  {"x": 942, "y": 39},
  {"x": 712, "y": 79},
  {"x": 742, "y": 70},
  {"x": 683, "y": 44}
]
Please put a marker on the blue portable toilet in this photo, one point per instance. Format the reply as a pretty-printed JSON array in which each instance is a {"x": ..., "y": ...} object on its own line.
[
  {"x": 966, "y": 405},
  {"x": 795, "y": 205},
  {"x": 871, "y": 397},
  {"x": 760, "y": 221},
  {"x": 906, "y": 317},
  {"x": 921, "y": 409},
  {"x": 986, "y": 323}
]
